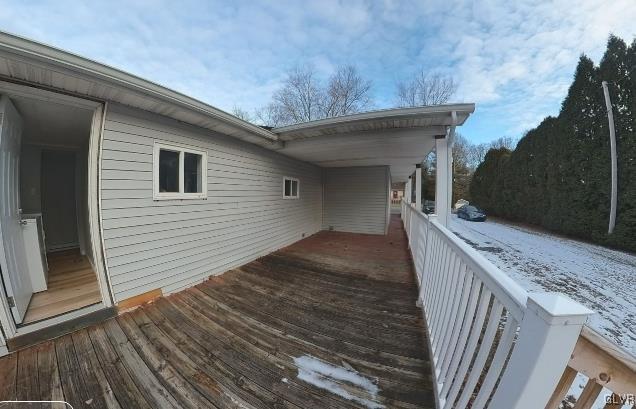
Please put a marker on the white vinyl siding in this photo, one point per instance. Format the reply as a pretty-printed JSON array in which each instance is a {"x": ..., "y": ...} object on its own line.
[
  {"x": 174, "y": 244},
  {"x": 356, "y": 199}
]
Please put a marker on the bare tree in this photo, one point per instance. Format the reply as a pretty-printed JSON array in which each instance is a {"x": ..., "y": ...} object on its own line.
[
  {"x": 303, "y": 97},
  {"x": 269, "y": 116},
  {"x": 299, "y": 100},
  {"x": 347, "y": 93},
  {"x": 476, "y": 155},
  {"x": 504, "y": 142},
  {"x": 425, "y": 89},
  {"x": 461, "y": 148},
  {"x": 241, "y": 113}
]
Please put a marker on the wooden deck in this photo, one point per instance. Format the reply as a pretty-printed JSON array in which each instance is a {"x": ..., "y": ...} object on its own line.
[{"x": 329, "y": 322}]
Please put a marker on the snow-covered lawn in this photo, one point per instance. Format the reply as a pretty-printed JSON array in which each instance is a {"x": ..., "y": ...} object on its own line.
[{"x": 602, "y": 279}]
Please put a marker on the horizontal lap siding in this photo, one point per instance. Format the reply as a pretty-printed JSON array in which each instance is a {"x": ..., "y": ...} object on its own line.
[
  {"x": 173, "y": 244},
  {"x": 356, "y": 199}
]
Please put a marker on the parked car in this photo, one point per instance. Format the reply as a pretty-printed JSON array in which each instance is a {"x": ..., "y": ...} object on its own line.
[
  {"x": 428, "y": 207},
  {"x": 471, "y": 213},
  {"x": 459, "y": 204}
]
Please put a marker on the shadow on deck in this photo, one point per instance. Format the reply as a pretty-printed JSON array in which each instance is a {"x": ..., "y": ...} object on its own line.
[{"x": 328, "y": 322}]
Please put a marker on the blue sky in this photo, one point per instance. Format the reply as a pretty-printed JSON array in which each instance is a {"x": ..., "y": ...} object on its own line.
[{"x": 514, "y": 59}]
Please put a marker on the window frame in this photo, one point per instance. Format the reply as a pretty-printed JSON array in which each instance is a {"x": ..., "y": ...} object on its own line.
[
  {"x": 182, "y": 150},
  {"x": 291, "y": 197}
]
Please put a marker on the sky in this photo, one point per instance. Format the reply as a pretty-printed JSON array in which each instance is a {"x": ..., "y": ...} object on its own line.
[{"x": 513, "y": 58}]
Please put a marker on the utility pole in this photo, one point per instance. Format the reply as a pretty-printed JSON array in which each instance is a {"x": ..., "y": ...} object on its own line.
[{"x": 612, "y": 132}]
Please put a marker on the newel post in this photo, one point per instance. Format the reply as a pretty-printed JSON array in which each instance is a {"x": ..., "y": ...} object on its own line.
[{"x": 549, "y": 331}]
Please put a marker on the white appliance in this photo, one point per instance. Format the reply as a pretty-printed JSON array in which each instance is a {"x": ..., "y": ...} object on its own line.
[{"x": 37, "y": 265}]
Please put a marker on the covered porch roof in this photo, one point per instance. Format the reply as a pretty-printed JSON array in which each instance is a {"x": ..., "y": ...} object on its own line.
[{"x": 399, "y": 138}]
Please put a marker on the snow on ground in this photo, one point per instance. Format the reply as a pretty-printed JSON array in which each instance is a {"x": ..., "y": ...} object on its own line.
[{"x": 604, "y": 280}]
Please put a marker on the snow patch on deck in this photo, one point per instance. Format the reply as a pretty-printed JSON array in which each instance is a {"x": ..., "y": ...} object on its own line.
[{"x": 341, "y": 381}]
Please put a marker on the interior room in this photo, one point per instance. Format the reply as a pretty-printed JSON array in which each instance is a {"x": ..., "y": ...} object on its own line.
[{"x": 54, "y": 203}]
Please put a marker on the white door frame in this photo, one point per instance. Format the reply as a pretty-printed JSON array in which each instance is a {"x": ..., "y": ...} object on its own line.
[{"x": 94, "y": 174}]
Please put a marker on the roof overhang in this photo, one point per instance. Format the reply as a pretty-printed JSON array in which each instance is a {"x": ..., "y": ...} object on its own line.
[
  {"x": 399, "y": 138},
  {"x": 28, "y": 61}
]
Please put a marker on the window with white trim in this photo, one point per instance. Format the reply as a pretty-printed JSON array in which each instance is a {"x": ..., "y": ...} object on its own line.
[
  {"x": 179, "y": 172},
  {"x": 291, "y": 188}
]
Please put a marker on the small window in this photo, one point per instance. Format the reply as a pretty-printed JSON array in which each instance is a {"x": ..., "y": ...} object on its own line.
[
  {"x": 290, "y": 188},
  {"x": 179, "y": 173}
]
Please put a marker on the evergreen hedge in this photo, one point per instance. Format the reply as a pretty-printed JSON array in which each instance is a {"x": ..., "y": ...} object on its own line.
[{"x": 559, "y": 174}]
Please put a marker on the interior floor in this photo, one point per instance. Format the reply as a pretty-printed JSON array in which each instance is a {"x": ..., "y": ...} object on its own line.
[{"x": 72, "y": 284}]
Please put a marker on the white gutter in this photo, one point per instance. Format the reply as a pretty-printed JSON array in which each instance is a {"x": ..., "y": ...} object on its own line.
[{"x": 393, "y": 113}]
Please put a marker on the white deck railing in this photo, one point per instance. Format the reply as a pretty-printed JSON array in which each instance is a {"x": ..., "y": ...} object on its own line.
[{"x": 492, "y": 344}]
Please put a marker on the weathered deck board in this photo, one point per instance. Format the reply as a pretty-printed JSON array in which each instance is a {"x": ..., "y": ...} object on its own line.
[{"x": 346, "y": 300}]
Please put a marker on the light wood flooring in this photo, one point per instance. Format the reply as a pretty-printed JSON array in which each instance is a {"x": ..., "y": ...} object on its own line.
[
  {"x": 72, "y": 285},
  {"x": 284, "y": 332}
]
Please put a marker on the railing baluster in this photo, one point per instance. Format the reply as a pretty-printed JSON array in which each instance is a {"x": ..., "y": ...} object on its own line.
[
  {"x": 451, "y": 315},
  {"x": 467, "y": 357},
  {"x": 439, "y": 284},
  {"x": 419, "y": 268},
  {"x": 484, "y": 349},
  {"x": 441, "y": 288},
  {"x": 462, "y": 306},
  {"x": 430, "y": 266},
  {"x": 449, "y": 273},
  {"x": 458, "y": 352},
  {"x": 497, "y": 364}
]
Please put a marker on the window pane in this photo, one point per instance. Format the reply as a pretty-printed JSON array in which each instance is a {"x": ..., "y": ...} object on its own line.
[
  {"x": 168, "y": 171},
  {"x": 287, "y": 188},
  {"x": 294, "y": 188},
  {"x": 192, "y": 173}
]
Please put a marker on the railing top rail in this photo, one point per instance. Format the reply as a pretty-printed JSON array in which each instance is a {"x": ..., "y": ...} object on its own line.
[{"x": 419, "y": 213}]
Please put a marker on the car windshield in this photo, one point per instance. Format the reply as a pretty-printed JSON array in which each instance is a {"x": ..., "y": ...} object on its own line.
[{"x": 471, "y": 209}]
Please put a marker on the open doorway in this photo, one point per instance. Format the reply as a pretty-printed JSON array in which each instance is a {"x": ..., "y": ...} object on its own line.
[{"x": 53, "y": 271}]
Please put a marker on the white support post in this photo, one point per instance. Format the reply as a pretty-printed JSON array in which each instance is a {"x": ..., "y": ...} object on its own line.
[
  {"x": 549, "y": 331},
  {"x": 408, "y": 191},
  {"x": 418, "y": 187},
  {"x": 443, "y": 180}
]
